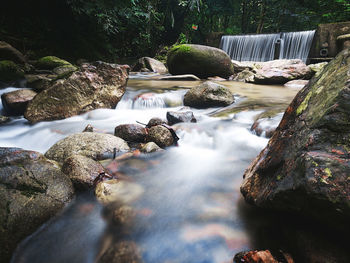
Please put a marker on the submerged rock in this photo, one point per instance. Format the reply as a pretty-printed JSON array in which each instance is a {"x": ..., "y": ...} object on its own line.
[
  {"x": 32, "y": 190},
  {"x": 97, "y": 85},
  {"x": 89, "y": 144},
  {"x": 174, "y": 117},
  {"x": 305, "y": 167},
  {"x": 202, "y": 61},
  {"x": 161, "y": 135},
  {"x": 151, "y": 64},
  {"x": 15, "y": 102},
  {"x": 131, "y": 132},
  {"x": 208, "y": 94}
]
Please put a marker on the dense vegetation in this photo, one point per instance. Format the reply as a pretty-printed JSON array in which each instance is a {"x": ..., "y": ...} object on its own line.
[{"x": 110, "y": 29}]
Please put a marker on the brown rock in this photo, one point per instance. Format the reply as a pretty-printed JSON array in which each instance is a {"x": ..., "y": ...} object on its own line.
[
  {"x": 15, "y": 102},
  {"x": 255, "y": 257},
  {"x": 131, "y": 132},
  {"x": 161, "y": 136}
]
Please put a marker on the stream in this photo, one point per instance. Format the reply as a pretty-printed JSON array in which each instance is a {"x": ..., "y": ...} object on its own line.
[{"x": 187, "y": 197}]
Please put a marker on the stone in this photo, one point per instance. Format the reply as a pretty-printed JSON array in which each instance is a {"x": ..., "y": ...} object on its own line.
[
  {"x": 51, "y": 62},
  {"x": 122, "y": 251},
  {"x": 317, "y": 68},
  {"x": 240, "y": 66},
  {"x": 64, "y": 71},
  {"x": 296, "y": 84},
  {"x": 131, "y": 132},
  {"x": 202, "y": 61},
  {"x": 10, "y": 71},
  {"x": 208, "y": 94},
  {"x": 38, "y": 82},
  {"x": 245, "y": 76},
  {"x": 83, "y": 171},
  {"x": 32, "y": 190},
  {"x": 180, "y": 77},
  {"x": 264, "y": 256},
  {"x": 174, "y": 117},
  {"x": 89, "y": 144},
  {"x": 89, "y": 128},
  {"x": 161, "y": 136},
  {"x": 266, "y": 126},
  {"x": 150, "y": 147},
  {"x": 15, "y": 102},
  {"x": 305, "y": 167},
  {"x": 97, "y": 85},
  {"x": 8, "y": 52},
  {"x": 151, "y": 64},
  {"x": 4, "y": 119},
  {"x": 154, "y": 122},
  {"x": 281, "y": 71}
]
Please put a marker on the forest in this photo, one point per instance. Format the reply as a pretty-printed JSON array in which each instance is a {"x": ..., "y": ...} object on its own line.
[{"x": 114, "y": 29}]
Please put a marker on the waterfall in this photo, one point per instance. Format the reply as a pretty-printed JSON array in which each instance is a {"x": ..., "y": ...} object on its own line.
[{"x": 262, "y": 47}]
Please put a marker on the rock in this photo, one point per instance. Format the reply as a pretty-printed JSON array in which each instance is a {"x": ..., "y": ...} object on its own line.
[
  {"x": 38, "y": 82},
  {"x": 296, "y": 84},
  {"x": 245, "y": 76},
  {"x": 122, "y": 251},
  {"x": 51, "y": 62},
  {"x": 10, "y": 71},
  {"x": 174, "y": 117},
  {"x": 123, "y": 217},
  {"x": 216, "y": 78},
  {"x": 161, "y": 136},
  {"x": 89, "y": 144},
  {"x": 240, "y": 66},
  {"x": 131, "y": 132},
  {"x": 64, "y": 71},
  {"x": 255, "y": 257},
  {"x": 305, "y": 166},
  {"x": 281, "y": 71},
  {"x": 150, "y": 147},
  {"x": 151, "y": 64},
  {"x": 266, "y": 126},
  {"x": 154, "y": 122},
  {"x": 208, "y": 94},
  {"x": 15, "y": 102},
  {"x": 8, "y": 52},
  {"x": 118, "y": 191},
  {"x": 202, "y": 61},
  {"x": 4, "y": 119},
  {"x": 180, "y": 77},
  {"x": 98, "y": 85},
  {"x": 317, "y": 68},
  {"x": 32, "y": 190},
  {"x": 89, "y": 128},
  {"x": 82, "y": 171}
]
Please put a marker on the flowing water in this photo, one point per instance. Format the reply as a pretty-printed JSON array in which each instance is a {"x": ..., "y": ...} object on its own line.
[{"x": 188, "y": 208}]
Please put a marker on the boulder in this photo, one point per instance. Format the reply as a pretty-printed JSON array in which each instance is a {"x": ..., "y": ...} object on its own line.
[
  {"x": 150, "y": 147},
  {"x": 161, "y": 135},
  {"x": 208, "y": 94},
  {"x": 32, "y": 190},
  {"x": 83, "y": 171},
  {"x": 131, "y": 132},
  {"x": 10, "y": 71},
  {"x": 151, "y": 64},
  {"x": 202, "y": 61},
  {"x": 97, "y": 85},
  {"x": 89, "y": 144},
  {"x": 281, "y": 71},
  {"x": 296, "y": 84},
  {"x": 15, "y": 102},
  {"x": 174, "y": 117},
  {"x": 305, "y": 167},
  {"x": 8, "y": 52},
  {"x": 51, "y": 62},
  {"x": 38, "y": 82}
]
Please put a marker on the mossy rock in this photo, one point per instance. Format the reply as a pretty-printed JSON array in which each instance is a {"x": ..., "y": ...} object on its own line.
[
  {"x": 9, "y": 71},
  {"x": 202, "y": 61},
  {"x": 51, "y": 62}
]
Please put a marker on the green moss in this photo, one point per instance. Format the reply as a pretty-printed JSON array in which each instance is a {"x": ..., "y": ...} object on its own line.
[
  {"x": 51, "y": 62},
  {"x": 328, "y": 172},
  {"x": 10, "y": 71},
  {"x": 304, "y": 104},
  {"x": 279, "y": 177}
]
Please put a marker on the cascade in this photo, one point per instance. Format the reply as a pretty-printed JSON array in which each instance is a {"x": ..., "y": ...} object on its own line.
[{"x": 262, "y": 47}]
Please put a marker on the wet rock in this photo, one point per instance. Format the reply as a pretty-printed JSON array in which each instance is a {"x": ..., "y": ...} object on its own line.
[
  {"x": 281, "y": 71},
  {"x": 32, "y": 190},
  {"x": 82, "y": 171},
  {"x": 89, "y": 144},
  {"x": 296, "y": 84},
  {"x": 161, "y": 136},
  {"x": 131, "y": 132},
  {"x": 174, "y": 117},
  {"x": 118, "y": 191},
  {"x": 245, "y": 76},
  {"x": 123, "y": 216},
  {"x": 64, "y": 71},
  {"x": 154, "y": 122},
  {"x": 266, "y": 126},
  {"x": 122, "y": 251},
  {"x": 255, "y": 257},
  {"x": 15, "y": 102},
  {"x": 8, "y": 52},
  {"x": 89, "y": 128},
  {"x": 305, "y": 167},
  {"x": 4, "y": 119},
  {"x": 51, "y": 62},
  {"x": 151, "y": 64},
  {"x": 180, "y": 77},
  {"x": 10, "y": 71},
  {"x": 38, "y": 82},
  {"x": 202, "y": 61},
  {"x": 243, "y": 65},
  {"x": 97, "y": 85},
  {"x": 150, "y": 147},
  {"x": 208, "y": 94},
  {"x": 317, "y": 68}
]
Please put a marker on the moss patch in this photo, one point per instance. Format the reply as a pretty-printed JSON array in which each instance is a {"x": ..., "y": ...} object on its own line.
[
  {"x": 304, "y": 104},
  {"x": 10, "y": 71},
  {"x": 51, "y": 62}
]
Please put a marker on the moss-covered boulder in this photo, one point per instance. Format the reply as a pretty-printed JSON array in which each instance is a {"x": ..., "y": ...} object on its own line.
[
  {"x": 10, "y": 71},
  {"x": 51, "y": 62},
  {"x": 305, "y": 167},
  {"x": 97, "y": 85},
  {"x": 202, "y": 61},
  {"x": 32, "y": 190}
]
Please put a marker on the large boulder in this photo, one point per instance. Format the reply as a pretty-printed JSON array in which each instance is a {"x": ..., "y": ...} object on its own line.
[
  {"x": 151, "y": 64},
  {"x": 32, "y": 190},
  {"x": 202, "y": 61},
  {"x": 208, "y": 94},
  {"x": 305, "y": 167},
  {"x": 97, "y": 85},
  {"x": 15, "y": 102},
  {"x": 89, "y": 144},
  {"x": 8, "y": 52}
]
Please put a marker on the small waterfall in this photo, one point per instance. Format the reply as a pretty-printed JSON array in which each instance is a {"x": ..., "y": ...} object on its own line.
[{"x": 262, "y": 47}]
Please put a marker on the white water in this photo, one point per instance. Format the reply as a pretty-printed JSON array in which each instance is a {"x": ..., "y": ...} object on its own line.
[{"x": 261, "y": 47}]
